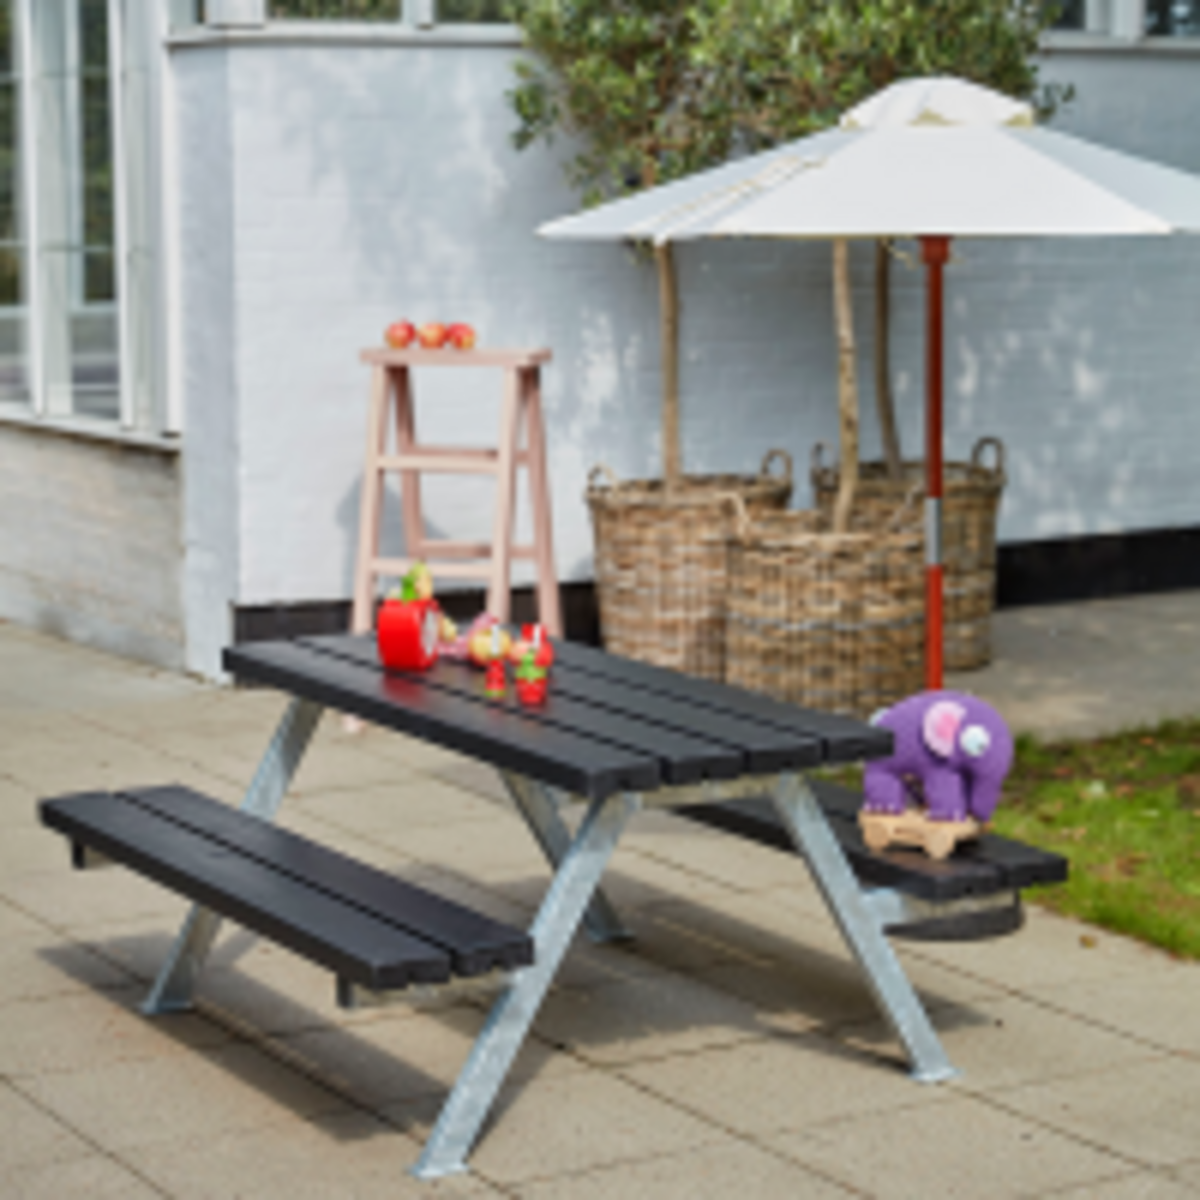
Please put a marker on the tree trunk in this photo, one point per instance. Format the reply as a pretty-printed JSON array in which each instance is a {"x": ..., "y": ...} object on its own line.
[
  {"x": 668, "y": 296},
  {"x": 847, "y": 387},
  {"x": 883, "y": 360}
]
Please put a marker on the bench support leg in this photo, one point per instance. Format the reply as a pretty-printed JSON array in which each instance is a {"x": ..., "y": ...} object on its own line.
[
  {"x": 860, "y": 926},
  {"x": 535, "y": 803},
  {"x": 176, "y": 982},
  {"x": 573, "y": 888}
]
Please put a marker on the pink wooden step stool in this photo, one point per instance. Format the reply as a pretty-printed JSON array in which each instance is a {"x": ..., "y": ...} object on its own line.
[{"x": 521, "y": 409}]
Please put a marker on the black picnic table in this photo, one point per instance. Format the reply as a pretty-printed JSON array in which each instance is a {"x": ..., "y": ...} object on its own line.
[{"x": 613, "y": 735}]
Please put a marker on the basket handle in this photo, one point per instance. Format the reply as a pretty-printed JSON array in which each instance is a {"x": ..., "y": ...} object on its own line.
[
  {"x": 602, "y": 472},
  {"x": 783, "y": 456},
  {"x": 997, "y": 448}
]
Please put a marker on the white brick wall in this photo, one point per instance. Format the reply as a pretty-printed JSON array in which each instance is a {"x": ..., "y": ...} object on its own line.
[
  {"x": 330, "y": 188},
  {"x": 90, "y": 542}
]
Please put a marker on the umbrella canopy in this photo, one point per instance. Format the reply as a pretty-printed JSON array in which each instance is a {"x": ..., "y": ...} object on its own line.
[
  {"x": 925, "y": 156},
  {"x": 935, "y": 159}
]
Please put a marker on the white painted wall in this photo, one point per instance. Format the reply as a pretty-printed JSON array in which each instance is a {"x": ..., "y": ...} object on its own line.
[{"x": 328, "y": 188}]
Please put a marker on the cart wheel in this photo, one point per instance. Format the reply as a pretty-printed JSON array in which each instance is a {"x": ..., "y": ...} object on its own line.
[{"x": 939, "y": 842}]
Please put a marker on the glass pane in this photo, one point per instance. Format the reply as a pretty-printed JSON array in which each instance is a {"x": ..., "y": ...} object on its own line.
[
  {"x": 1071, "y": 14},
  {"x": 337, "y": 10},
  {"x": 93, "y": 35},
  {"x": 14, "y": 352},
  {"x": 1173, "y": 18},
  {"x": 7, "y": 44},
  {"x": 95, "y": 374},
  {"x": 478, "y": 11},
  {"x": 10, "y": 175}
]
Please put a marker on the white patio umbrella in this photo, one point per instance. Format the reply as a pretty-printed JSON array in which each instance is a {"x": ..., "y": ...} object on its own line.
[{"x": 935, "y": 159}]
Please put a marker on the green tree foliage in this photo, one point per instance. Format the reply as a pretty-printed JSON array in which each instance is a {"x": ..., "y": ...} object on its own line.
[{"x": 657, "y": 89}]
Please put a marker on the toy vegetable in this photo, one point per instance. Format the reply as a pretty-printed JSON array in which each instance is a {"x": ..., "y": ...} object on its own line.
[
  {"x": 409, "y": 624},
  {"x": 533, "y": 639},
  {"x": 531, "y": 680},
  {"x": 488, "y": 643}
]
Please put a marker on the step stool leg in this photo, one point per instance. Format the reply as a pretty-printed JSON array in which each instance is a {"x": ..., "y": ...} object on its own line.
[
  {"x": 176, "y": 982},
  {"x": 499, "y": 597},
  {"x": 549, "y": 610},
  {"x": 860, "y": 926},
  {"x": 370, "y": 504},
  {"x": 410, "y": 480}
]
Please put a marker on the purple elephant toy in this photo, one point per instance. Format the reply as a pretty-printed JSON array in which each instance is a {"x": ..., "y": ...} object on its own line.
[{"x": 951, "y": 750}]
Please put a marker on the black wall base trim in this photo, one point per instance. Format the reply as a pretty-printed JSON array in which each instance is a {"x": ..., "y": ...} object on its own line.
[
  {"x": 1028, "y": 573},
  {"x": 1097, "y": 567}
]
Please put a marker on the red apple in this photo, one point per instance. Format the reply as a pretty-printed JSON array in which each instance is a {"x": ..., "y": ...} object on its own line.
[
  {"x": 432, "y": 336},
  {"x": 399, "y": 334},
  {"x": 461, "y": 337}
]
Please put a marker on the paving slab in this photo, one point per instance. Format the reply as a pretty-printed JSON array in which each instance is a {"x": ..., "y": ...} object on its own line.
[
  {"x": 97, "y": 1177},
  {"x": 960, "y": 1148},
  {"x": 1148, "y": 1111},
  {"x": 346, "y": 1154},
  {"x": 717, "y": 1171}
]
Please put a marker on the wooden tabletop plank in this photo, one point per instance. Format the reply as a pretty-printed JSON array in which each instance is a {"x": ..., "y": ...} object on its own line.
[
  {"x": 845, "y": 739},
  {"x": 506, "y": 739},
  {"x": 706, "y": 748}
]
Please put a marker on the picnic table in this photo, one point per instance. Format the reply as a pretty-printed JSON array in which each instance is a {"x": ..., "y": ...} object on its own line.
[{"x": 613, "y": 736}]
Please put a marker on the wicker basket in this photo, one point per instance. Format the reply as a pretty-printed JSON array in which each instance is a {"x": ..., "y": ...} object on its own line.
[
  {"x": 829, "y": 621},
  {"x": 661, "y": 570},
  {"x": 971, "y": 501}
]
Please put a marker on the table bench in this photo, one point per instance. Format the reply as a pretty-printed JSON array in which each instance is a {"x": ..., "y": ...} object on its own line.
[
  {"x": 368, "y": 927},
  {"x": 614, "y": 736}
]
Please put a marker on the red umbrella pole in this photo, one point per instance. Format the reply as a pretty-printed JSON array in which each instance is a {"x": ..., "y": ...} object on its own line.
[{"x": 935, "y": 252}]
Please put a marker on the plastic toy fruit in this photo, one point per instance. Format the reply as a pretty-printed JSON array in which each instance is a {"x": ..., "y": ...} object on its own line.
[
  {"x": 533, "y": 639},
  {"x": 531, "y": 681},
  {"x": 488, "y": 644},
  {"x": 432, "y": 336},
  {"x": 461, "y": 337},
  {"x": 408, "y": 625},
  {"x": 400, "y": 334}
]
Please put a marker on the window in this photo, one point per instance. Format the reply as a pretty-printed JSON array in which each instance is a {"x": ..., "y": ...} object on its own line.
[
  {"x": 14, "y": 376},
  {"x": 79, "y": 275},
  {"x": 1173, "y": 18}
]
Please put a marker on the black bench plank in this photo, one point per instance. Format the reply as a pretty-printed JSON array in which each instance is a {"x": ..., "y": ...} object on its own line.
[
  {"x": 475, "y": 944},
  {"x": 510, "y": 740},
  {"x": 592, "y": 703},
  {"x": 351, "y": 943},
  {"x": 845, "y": 739},
  {"x": 990, "y": 865}
]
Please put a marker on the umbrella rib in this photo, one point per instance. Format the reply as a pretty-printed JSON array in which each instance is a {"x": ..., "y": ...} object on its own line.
[{"x": 675, "y": 220}]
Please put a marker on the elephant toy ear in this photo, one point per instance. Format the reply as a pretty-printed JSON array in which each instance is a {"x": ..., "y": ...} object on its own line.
[{"x": 940, "y": 727}]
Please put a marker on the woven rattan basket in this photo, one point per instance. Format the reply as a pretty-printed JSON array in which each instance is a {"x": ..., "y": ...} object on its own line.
[
  {"x": 972, "y": 493},
  {"x": 661, "y": 571},
  {"x": 828, "y": 621}
]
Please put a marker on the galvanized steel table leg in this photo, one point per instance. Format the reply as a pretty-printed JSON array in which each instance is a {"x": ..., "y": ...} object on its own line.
[
  {"x": 496, "y": 1047},
  {"x": 535, "y": 803},
  {"x": 172, "y": 990},
  {"x": 861, "y": 928}
]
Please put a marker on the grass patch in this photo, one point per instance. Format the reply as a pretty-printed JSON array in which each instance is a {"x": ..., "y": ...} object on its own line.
[{"x": 1125, "y": 810}]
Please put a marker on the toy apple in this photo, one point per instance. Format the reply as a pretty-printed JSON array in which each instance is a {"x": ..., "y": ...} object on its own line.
[
  {"x": 488, "y": 644},
  {"x": 533, "y": 638},
  {"x": 531, "y": 681},
  {"x": 461, "y": 337},
  {"x": 432, "y": 335},
  {"x": 408, "y": 625},
  {"x": 400, "y": 334}
]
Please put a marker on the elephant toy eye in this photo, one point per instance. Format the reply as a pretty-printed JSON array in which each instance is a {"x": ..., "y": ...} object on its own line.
[{"x": 975, "y": 741}]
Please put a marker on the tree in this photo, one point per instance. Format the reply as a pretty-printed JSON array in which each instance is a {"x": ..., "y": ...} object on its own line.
[{"x": 654, "y": 90}]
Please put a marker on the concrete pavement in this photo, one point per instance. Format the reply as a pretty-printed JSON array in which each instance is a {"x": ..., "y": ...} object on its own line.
[{"x": 730, "y": 1051}]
